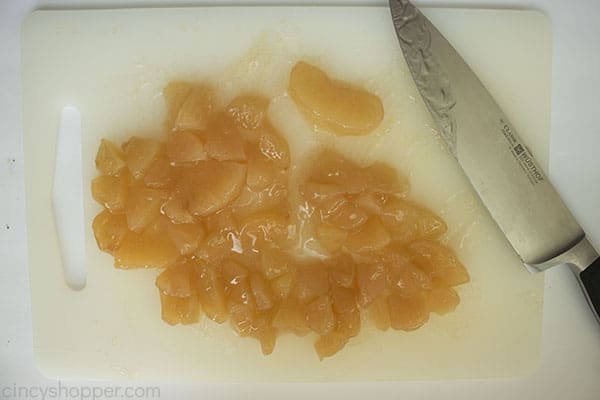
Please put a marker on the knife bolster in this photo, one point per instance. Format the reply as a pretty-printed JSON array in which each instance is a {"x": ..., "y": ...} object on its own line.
[{"x": 577, "y": 256}]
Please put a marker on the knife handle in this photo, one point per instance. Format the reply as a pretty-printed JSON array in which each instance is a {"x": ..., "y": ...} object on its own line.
[{"x": 590, "y": 280}]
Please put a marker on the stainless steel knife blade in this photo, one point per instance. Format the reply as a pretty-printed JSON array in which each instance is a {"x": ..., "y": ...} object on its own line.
[{"x": 500, "y": 167}]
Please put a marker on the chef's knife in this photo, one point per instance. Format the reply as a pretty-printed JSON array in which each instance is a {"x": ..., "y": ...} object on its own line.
[{"x": 501, "y": 169}]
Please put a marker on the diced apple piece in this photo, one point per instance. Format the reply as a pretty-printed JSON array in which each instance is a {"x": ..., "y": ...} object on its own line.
[
  {"x": 248, "y": 112},
  {"x": 180, "y": 310},
  {"x": 111, "y": 191},
  {"x": 334, "y": 169},
  {"x": 348, "y": 323},
  {"x": 140, "y": 153},
  {"x": 244, "y": 255},
  {"x": 175, "y": 94},
  {"x": 186, "y": 237},
  {"x": 333, "y": 105},
  {"x": 320, "y": 316},
  {"x": 160, "y": 174},
  {"x": 110, "y": 158},
  {"x": 143, "y": 206},
  {"x": 223, "y": 141},
  {"x": 383, "y": 178},
  {"x": 330, "y": 237},
  {"x": 221, "y": 221},
  {"x": 263, "y": 324},
  {"x": 157, "y": 226},
  {"x": 312, "y": 282},
  {"x": 195, "y": 110},
  {"x": 176, "y": 209},
  {"x": 243, "y": 318},
  {"x": 241, "y": 301},
  {"x": 405, "y": 279},
  {"x": 268, "y": 338},
  {"x": 343, "y": 299},
  {"x": 214, "y": 248},
  {"x": 346, "y": 311},
  {"x": 407, "y": 313},
  {"x": 346, "y": 215},
  {"x": 109, "y": 230},
  {"x": 328, "y": 206},
  {"x": 371, "y": 236},
  {"x": 371, "y": 282},
  {"x": 439, "y": 262},
  {"x": 211, "y": 185},
  {"x": 317, "y": 193},
  {"x": 233, "y": 273},
  {"x": 274, "y": 148},
  {"x": 176, "y": 281},
  {"x": 143, "y": 250},
  {"x": 261, "y": 171},
  {"x": 282, "y": 285},
  {"x": 211, "y": 292},
  {"x": 270, "y": 226},
  {"x": 329, "y": 345},
  {"x": 185, "y": 148},
  {"x": 274, "y": 262},
  {"x": 291, "y": 317},
  {"x": 372, "y": 203},
  {"x": 442, "y": 300},
  {"x": 379, "y": 313},
  {"x": 408, "y": 222},
  {"x": 263, "y": 295},
  {"x": 249, "y": 201},
  {"x": 342, "y": 271}
]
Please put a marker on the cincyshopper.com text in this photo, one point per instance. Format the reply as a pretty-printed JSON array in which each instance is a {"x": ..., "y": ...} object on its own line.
[{"x": 71, "y": 392}]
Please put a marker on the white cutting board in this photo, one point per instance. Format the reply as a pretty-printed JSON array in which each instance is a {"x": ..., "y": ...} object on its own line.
[{"x": 112, "y": 64}]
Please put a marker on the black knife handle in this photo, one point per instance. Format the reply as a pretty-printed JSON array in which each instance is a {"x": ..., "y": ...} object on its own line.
[{"x": 590, "y": 279}]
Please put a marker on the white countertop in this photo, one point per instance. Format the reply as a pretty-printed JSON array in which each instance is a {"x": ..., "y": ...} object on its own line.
[{"x": 570, "y": 362}]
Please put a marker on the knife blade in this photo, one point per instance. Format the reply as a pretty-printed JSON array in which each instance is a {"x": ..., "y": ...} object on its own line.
[{"x": 499, "y": 166}]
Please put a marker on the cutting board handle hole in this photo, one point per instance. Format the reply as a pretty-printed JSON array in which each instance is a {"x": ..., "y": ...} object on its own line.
[{"x": 67, "y": 198}]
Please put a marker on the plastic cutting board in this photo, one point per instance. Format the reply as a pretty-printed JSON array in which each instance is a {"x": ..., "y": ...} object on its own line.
[{"x": 112, "y": 65}]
